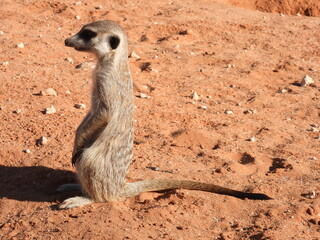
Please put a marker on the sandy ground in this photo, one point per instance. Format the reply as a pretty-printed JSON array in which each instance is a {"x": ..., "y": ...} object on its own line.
[{"x": 253, "y": 127}]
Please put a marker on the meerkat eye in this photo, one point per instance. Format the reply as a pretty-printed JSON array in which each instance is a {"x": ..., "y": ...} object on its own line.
[
  {"x": 114, "y": 41},
  {"x": 86, "y": 35}
]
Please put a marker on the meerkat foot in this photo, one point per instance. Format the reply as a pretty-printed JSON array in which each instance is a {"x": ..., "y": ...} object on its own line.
[
  {"x": 75, "y": 202},
  {"x": 69, "y": 188}
]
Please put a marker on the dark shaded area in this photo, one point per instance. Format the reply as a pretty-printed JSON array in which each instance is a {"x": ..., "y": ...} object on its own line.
[
  {"x": 35, "y": 183},
  {"x": 247, "y": 159},
  {"x": 279, "y": 163}
]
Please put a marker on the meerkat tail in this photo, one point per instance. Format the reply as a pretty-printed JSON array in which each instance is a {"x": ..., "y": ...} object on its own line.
[{"x": 153, "y": 185}]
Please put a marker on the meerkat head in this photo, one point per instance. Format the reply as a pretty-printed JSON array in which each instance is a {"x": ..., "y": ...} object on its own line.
[{"x": 100, "y": 38}]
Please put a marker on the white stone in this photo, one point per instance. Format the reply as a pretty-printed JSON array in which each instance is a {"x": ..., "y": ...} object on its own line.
[
  {"x": 20, "y": 45},
  {"x": 18, "y": 111},
  {"x": 80, "y": 106},
  {"x": 68, "y": 92},
  {"x": 5, "y": 63},
  {"x": 195, "y": 96},
  {"x": 48, "y": 92},
  {"x": 307, "y": 80},
  {"x": 203, "y": 107},
  {"x": 26, "y": 151},
  {"x": 143, "y": 95},
  {"x": 50, "y": 110},
  {"x": 134, "y": 55},
  {"x": 1, "y": 32},
  {"x": 69, "y": 60},
  {"x": 78, "y": 17},
  {"x": 228, "y": 112},
  {"x": 252, "y": 139},
  {"x": 42, "y": 141}
]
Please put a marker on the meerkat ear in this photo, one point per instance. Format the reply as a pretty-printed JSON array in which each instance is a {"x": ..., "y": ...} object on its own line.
[{"x": 114, "y": 42}]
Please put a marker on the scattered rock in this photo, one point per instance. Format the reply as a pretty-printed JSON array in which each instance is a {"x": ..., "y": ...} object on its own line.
[
  {"x": 48, "y": 92},
  {"x": 203, "y": 107},
  {"x": 18, "y": 111},
  {"x": 306, "y": 81},
  {"x": 5, "y": 63},
  {"x": 250, "y": 111},
  {"x": 78, "y": 17},
  {"x": 26, "y": 151},
  {"x": 252, "y": 139},
  {"x": 195, "y": 96},
  {"x": 86, "y": 65},
  {"x": 42, "y": 141},
  {"x": 68, "y": 92},
  {"x": 69, "y": 60},
  {"x": 1, "y": 32},
  {"x": 50, "y": 110},
  {"x": 228, "y": 112},
  {"x": 20, "y": 45},
  {"x": 311, "y": 194},
  {"x": 143, "y": 95},
  {"x": 80, "y": 106},
  {"x": 134, "y": 55},
  {"x": 233, "y": 86}
]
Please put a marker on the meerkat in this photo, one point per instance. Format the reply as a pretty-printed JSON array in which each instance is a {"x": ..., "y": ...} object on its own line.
[{"x": 103, "y": 146}]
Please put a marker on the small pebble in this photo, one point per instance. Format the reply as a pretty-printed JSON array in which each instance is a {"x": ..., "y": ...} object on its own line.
[
  {"x": 203, "y": 107},
  {"x": 252, "y": 139},
  {"x": 78, "y": 17},
  {"x": 80, "y": 106},
  {"x": 69, "y": 60},
  {"x": 5, "y": 63},
  {"x": 228, "y": 112},
  {"x": 98, "y": 7},
  {"x": 68, "y": 92},
  {"x": 134, "y": 55},
  {"x": 195, "y": 96},
  {"x": 50, "y": 110},
  {"x": 314, "y": 125},
  {"x": 143, "y": 95},
  {"x": 17, "y": 111},
  {"x": 48, "y": 92},
  {"x": 1, "y": 32},
  {"x": 311, "y": 194},
  {"x": 283, "y": 90},
  {"x": 26, "y": 151},
  {"x": 250, "y": 111},
  {"x": 20, "y": 45},
  {"x": 232, "y": 86},
  {"x": 42, "y": 141},
  {"x": 306, "y": 81}
]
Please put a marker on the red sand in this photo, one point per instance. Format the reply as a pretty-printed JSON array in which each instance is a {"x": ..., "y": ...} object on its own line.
[{"x": 234, "y": 58}]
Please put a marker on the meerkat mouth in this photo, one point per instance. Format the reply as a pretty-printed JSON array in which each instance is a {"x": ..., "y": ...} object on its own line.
[{"x": 81, "y": 49}]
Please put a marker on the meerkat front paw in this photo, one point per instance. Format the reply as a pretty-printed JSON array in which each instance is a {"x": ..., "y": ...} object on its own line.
[{"x": 75, "y": 202}]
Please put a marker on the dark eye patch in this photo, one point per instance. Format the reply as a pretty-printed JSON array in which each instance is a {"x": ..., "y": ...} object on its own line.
[
  {"x": 86, "y": 35},
  {"x": 114, "y": 41}
]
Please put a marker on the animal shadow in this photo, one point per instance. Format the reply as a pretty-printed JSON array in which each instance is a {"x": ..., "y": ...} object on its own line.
[{"x": 35, "y": 183}]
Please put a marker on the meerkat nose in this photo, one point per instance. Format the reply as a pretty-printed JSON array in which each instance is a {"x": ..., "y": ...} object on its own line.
[{"x": 67, "y": 42}]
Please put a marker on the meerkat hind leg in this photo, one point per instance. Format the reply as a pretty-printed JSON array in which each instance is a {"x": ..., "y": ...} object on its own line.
[
  {"x": 70, "y": 187},
  {"x": 75, "y": 202}
]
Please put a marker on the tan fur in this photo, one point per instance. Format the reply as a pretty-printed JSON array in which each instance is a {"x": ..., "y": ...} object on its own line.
[{"x": 104, "y": 140}]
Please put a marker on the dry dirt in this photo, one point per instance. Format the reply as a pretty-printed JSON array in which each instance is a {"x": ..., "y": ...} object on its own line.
[{"x": 236, "y": 59}]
